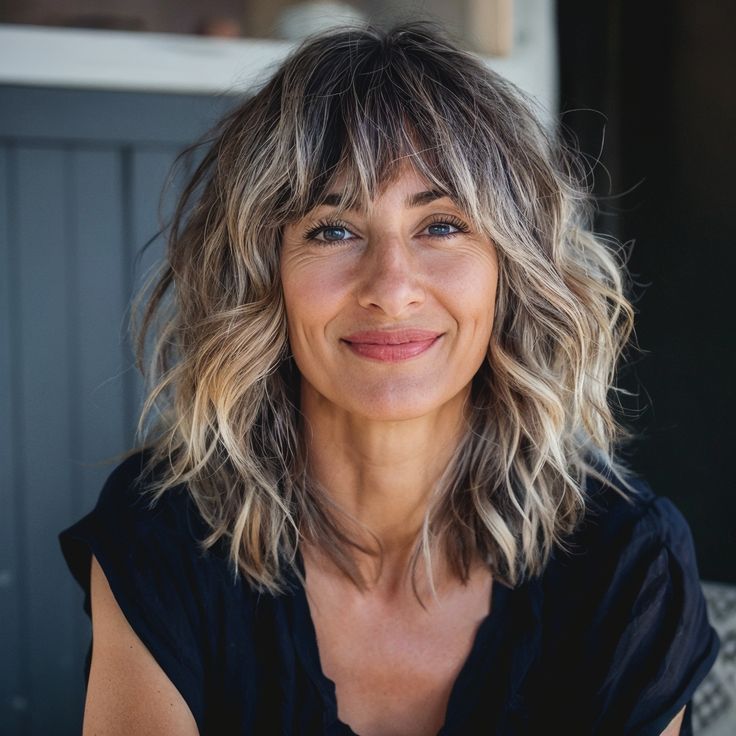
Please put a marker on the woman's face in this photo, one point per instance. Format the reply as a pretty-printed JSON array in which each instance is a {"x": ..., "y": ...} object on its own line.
[{"x": 390, "y": 309}]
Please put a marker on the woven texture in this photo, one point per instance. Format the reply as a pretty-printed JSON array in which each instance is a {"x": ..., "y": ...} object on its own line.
[{"x": 714, "y": 702}]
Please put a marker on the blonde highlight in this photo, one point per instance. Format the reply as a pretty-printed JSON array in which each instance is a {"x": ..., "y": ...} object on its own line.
[{"x": 221, "y": 413}]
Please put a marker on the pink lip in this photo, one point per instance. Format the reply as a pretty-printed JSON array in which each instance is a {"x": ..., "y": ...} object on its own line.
[{"x": 391, "y": 346}]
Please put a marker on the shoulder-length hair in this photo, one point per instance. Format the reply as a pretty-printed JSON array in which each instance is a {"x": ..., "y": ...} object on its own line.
[{"x": 222, "y": 408}]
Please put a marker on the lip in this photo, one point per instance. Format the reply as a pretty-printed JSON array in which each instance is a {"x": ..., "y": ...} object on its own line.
[{"x": 391, "y": 346}]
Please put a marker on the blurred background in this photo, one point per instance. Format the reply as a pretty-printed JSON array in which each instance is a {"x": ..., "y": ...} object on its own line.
[{"x": 96, "y": 100}]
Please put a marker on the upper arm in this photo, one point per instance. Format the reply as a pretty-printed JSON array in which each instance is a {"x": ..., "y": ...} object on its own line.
[
  {"x": 128, "y": 694},
  {"x": 674, "y": 727}
]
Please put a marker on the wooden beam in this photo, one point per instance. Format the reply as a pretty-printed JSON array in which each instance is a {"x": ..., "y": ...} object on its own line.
[{"x": 490, "y": 26}]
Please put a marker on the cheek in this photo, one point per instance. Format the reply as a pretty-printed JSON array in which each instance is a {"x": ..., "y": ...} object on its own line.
[
  {"x": 472, "y": 284},
  {"x": 313, "y": 292}
]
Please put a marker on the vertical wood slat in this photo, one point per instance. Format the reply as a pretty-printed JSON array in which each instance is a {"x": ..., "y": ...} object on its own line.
[
  {"x": 150, "y": 210},
  {"x": 73, "y": 217},
  {"x": 13, "y": 711},
  {"x": 101, "y": 300},
  {"x": 74, "y": 293},
  {"x": 46, "y": 388}
]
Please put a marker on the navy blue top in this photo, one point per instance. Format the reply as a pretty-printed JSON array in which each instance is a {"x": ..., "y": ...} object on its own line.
[{"x": 612, "y": 638}]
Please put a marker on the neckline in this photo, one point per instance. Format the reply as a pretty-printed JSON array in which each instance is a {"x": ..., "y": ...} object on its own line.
[{"x": 486, "y": 643}]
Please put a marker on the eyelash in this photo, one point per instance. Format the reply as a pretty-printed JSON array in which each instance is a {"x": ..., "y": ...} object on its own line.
[
  {"x": 324, "y": 225},
  {"x": 312, "y": 232}
]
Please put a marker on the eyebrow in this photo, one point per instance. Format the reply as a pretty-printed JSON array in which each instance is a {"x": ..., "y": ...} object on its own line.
[{"x": 418, "y": 199}]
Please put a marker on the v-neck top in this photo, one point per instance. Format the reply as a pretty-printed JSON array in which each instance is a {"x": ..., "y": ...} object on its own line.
[
  {"x": 612, "y": 638},
  {"x": 464, "y": 692}
]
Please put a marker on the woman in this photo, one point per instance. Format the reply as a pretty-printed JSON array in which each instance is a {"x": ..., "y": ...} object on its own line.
[{"x": 379, "y": 495}]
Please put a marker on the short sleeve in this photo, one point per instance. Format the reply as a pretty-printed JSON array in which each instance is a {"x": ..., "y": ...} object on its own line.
[
  {"x": 654, "y": 628},
  {"x": 150, "y": 559}
]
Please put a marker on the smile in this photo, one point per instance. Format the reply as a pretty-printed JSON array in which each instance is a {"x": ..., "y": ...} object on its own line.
[{"x": 391, "y": 347}]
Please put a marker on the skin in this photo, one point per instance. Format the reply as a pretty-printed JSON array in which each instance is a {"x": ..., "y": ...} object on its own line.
[
  {"x": 379, "y": 435},
  {"x": 129, "y": 694}
]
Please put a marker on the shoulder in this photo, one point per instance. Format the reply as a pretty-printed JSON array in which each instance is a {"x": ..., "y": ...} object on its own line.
[
  {"x": 150, "y": 548},
  {"x": 625, "y": 522},
  {"x": 163, "y": 581},
  {"x": 197, "y": 617},
  {"x": 625, "y": 610},
  {"x": 127, "y": 499},
  {"x": 632, "y": 551},
  {"x": 158, "y": 577},
  {"x": 127, "y": 486}
]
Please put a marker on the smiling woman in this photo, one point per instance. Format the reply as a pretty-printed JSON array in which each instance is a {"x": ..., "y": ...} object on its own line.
[
  {"x": 366, "y": 293},
  {"x": 377, "y": 490}
]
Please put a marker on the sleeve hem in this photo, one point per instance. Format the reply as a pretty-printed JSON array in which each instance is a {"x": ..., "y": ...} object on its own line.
[
  {"x": 78, "y": 550},
  {"x": 701, "y": 669}
]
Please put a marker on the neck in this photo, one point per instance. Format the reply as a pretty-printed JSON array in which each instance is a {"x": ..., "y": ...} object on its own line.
[{"x": 381, "y": 473}]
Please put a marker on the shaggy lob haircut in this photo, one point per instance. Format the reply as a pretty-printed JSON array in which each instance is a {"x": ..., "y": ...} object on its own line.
[{"x": 222, "y": 413}]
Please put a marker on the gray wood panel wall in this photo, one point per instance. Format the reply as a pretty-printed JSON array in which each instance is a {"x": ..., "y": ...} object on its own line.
[{"x": 80, "y": 177}]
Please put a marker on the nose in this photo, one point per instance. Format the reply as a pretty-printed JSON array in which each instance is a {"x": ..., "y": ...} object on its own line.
[{"x": 391, "y": 279}]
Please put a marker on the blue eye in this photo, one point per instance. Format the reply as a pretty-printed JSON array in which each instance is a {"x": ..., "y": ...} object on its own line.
[
  {"x": 328, "y": 232},
  {"x": 334, "y": 233},
  {"x": 446, "y": 227},
  {"x": 441, "y": 228}
]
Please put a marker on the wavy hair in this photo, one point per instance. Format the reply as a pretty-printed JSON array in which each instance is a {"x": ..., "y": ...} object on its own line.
[{"x": 222, "y": 407}]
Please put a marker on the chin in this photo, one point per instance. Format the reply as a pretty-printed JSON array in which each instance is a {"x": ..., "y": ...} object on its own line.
[
  {"x": 382, "y": 400},
  {"x": 394, "y": 405}
]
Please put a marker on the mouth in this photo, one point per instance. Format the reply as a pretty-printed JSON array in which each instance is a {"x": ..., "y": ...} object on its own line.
[{"x": 391, "y": 346}]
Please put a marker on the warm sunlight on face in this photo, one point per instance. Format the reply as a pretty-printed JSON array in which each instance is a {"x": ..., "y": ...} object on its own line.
[{"x": 389, "y": 310}]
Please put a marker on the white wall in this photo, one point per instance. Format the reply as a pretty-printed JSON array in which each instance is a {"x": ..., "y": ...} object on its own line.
[{"x": 36, "y": 55}]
